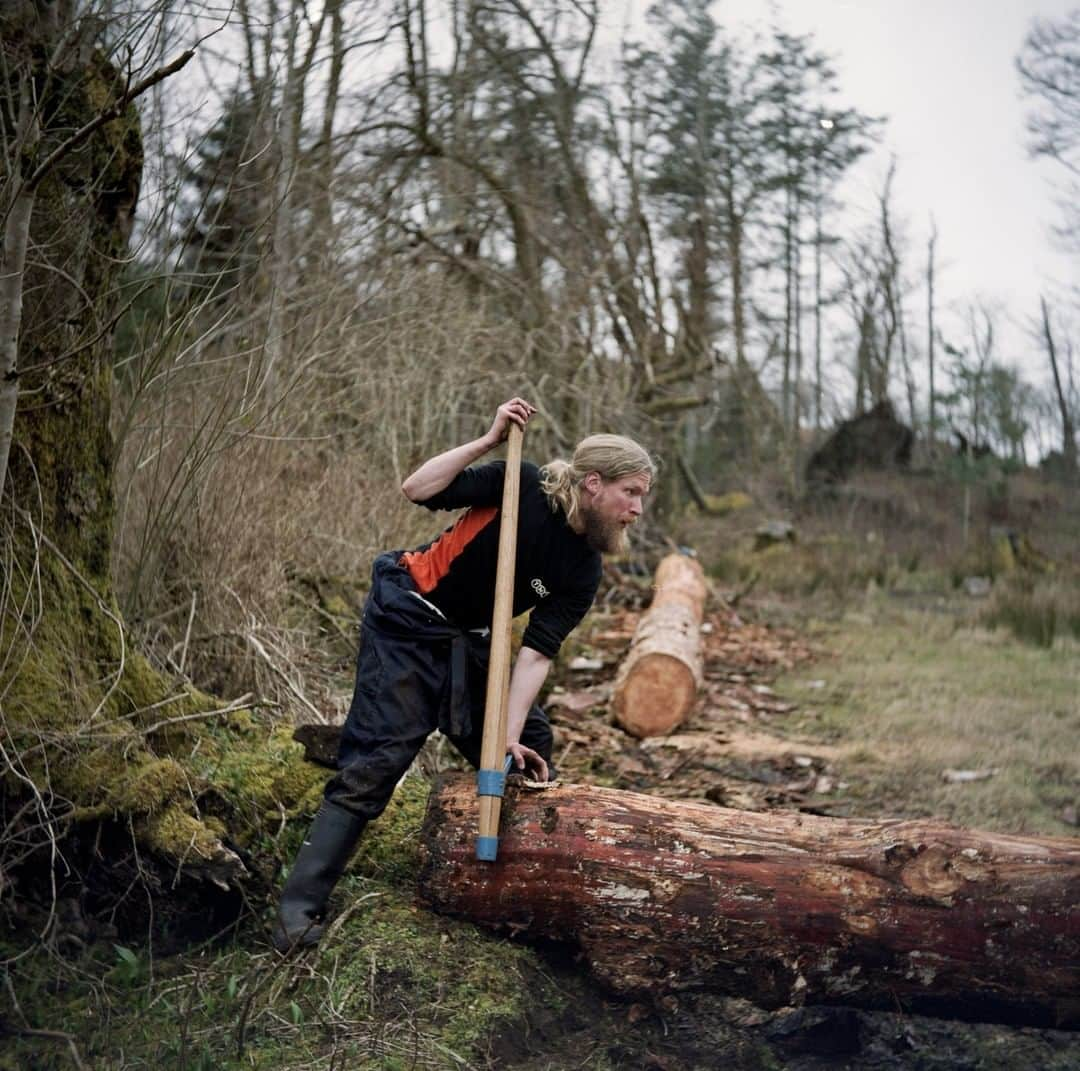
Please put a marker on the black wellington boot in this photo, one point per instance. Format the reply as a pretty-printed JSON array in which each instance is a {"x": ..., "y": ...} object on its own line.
[{"x": 319, "y": 864}]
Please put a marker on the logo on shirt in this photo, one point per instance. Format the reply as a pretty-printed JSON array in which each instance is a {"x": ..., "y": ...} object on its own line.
[{"x": 538, "y": 586}]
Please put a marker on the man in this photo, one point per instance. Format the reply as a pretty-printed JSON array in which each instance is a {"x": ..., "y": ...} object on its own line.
[{"x": 424, "y": 635}]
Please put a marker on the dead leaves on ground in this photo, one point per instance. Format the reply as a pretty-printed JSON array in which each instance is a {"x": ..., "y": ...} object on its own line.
[{"x": 730, "y": 751}]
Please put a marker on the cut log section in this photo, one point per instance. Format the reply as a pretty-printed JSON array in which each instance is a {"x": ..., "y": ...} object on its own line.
[
  {"x": 782, "y": 908},
  {"x": 658, "y": 681}
]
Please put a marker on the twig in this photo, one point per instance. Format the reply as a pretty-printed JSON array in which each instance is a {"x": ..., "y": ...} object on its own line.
[
  {"x": 736, "y": 596},
  {"x": 333, "y": 621},
  {"x": 106, "y": 116},
  {"x": 187, "y": 634},
  {"x": 450, "y": 1052},
  {"x": 237, "y": 704},
  {"x": 346, "y": 913},
  {"x": 262, "y": 652},
  {"x": 52, "y": 1035},
  {"x": 264, "y": 980},
  {"x": 14, "y": 999}
]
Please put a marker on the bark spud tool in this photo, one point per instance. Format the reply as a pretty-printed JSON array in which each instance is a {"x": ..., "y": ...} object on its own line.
[{"x": 494, "y": 762}]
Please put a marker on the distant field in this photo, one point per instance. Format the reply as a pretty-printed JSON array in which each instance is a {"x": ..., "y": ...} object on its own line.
[{"x": 913, "y": 693}]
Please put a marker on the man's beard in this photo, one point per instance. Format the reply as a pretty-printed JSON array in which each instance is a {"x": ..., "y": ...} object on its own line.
[{"x": 607, "y": 537}]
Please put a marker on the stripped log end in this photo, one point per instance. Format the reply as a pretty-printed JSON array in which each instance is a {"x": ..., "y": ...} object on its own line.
[
  {"x": 655, "y": 698},
  {"x": 658, "y": 680}
]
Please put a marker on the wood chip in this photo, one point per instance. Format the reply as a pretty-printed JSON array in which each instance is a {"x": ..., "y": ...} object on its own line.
[{"x": 962, "y": 777}]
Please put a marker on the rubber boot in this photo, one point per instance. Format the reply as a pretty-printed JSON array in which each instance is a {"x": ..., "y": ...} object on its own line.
[{"x": 318, "y": 866}]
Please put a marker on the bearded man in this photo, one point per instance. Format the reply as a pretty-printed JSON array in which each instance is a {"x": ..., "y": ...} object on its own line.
[{"x": 426, "y": 626}]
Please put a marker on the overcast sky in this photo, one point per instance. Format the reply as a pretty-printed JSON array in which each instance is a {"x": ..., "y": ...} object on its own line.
[{"x": 943, "y": 72}]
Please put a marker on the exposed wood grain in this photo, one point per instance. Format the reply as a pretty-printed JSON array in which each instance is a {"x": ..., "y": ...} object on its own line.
[{"x": 659, "y": 679}]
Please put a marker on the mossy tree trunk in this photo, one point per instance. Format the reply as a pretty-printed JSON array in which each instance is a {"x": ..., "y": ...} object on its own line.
[
  {"x": 61, "y": 465},
  {"x": 91, "y": 733}
]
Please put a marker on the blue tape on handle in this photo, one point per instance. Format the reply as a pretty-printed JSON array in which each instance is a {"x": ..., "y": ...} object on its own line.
[
  {"x": 487, "y": 848},
  {"x": 490, "y": 782}
]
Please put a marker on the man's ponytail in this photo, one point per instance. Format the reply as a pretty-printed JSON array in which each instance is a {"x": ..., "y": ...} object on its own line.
[{"x": 612, "y": 456}]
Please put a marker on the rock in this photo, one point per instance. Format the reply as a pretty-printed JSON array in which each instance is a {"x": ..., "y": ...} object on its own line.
[
  {"x": 820, "y": 1031},
  {"x": 773, "y": 532},
  {"x": 962, "y": 777},
  {"x": 320, "y": 743},
  {"x": 873, "y": 440},
  {"x": 1014, "y": 550},
  {"x": 732, "y": 502},
  {"x": 977, "y": 587},
  {"x": 584, "y": 664}
]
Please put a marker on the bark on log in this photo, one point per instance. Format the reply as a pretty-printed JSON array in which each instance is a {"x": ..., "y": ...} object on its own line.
[
  {"x": 659, "y": 679},
  {"x": 782, "y": 908}
]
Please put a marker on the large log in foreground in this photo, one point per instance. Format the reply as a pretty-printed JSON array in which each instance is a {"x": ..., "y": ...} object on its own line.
[
  {"x": 782, "y": 908},
  {"x": 659, "y": 679}
]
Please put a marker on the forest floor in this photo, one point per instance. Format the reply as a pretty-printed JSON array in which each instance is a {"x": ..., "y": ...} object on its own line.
[
  {"x": 879, "y": 705},
  {"x": 879, "y": 710}
]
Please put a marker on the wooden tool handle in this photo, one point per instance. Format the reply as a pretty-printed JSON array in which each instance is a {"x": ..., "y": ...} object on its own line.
[{"x": 493, "y": 746}]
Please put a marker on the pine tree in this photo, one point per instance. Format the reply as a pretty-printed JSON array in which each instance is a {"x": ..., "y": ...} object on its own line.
[{"x": 223, "y": 217}]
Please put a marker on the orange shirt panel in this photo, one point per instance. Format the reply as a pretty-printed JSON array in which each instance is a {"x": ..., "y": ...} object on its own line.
[{"x": 428, "y": 567}]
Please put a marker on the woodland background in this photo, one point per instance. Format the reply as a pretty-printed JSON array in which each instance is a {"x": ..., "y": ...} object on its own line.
[{"x": 260, "y": 261}]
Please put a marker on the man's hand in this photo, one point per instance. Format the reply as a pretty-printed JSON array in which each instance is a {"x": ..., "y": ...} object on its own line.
[
  {"x": 516, "y": 411},
  {"x": 437, "y": 473},
  {"x": 528, "y": 762}
]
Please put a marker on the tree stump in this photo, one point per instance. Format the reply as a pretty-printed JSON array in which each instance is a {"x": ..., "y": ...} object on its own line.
[
  {"x": 658, "y": 681},
  {"x": 782, "y": 908}
]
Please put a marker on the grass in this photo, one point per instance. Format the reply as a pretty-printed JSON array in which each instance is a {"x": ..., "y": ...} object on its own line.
[
  {"x": 391, "y": 985},
  {"x": 905, "y": 693},
  {"x": 1036, "y": 612},
  {"x": 916, "y": 693}
]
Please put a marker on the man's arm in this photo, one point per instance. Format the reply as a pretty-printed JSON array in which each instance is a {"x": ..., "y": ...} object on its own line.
[
  {"x": 437, "y": 473},
  {"x": 530, "y": 671}
]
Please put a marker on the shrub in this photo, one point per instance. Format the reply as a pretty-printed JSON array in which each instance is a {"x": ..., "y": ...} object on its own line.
[{"x": 1036, "y": 612}]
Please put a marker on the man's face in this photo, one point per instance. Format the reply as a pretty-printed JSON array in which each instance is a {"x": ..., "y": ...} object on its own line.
[{"x": 610, "y": 507}]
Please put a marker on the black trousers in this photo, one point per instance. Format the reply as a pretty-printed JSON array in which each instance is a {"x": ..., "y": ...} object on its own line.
[{"x": 414, "y": 674}]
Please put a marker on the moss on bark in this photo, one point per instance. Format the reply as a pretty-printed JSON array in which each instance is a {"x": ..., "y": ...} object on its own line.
[{"x": 95, "y": 732}]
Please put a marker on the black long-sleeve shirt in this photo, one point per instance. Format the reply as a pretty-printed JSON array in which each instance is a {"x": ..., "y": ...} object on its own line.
[{"x": 556, "y": 573}]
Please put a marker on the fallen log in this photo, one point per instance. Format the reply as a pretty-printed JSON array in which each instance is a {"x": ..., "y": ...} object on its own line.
[
  {"x": 661, "y": 896},
  {"x": 658, "y": 681}
]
